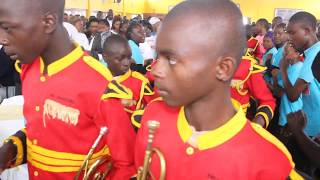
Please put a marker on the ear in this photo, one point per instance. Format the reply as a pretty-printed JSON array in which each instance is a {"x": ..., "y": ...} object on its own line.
[
  {"x": 50, "y": 21},
  {"x": 225, "y": 68}
]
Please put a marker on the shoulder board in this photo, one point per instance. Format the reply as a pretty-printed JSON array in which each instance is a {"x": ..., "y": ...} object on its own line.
[
  {"x": 148, "y": 90},
  {"x": 116, "y": 90},
  {"x": 250, "y": 58},
  {"x": 139, "y": 76},
  {"x": 257, "y": 68},
  {"x": 97, "y": 66}
]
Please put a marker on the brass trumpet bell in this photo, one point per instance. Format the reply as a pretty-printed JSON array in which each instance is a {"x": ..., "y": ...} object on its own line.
[
  {"x": 89, "y": 171},
  {"x": 143, "y": 171}
]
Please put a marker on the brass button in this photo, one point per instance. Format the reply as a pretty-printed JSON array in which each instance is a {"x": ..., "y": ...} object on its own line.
[
  {"x": 35, "y": 142},
  {"x": 37, "y": 108},
  {"x": 190, "y": 150},
  {"x": 42, "y": 79},
  {"x": 36, "y": 173}
]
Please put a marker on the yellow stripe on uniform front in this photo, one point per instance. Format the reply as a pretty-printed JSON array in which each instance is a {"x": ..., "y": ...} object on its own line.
[
  {"x": 57, "y": 162},
  {"x": 62, "y": 155},
  {"x": 53, "y": 168}
]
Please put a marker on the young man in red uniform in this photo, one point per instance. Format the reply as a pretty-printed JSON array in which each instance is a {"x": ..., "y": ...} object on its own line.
[
  {"x": 248, "y": 82},
  {"x": 64, "y": 101},
  {"x": 117, "y": 54},
  {"x": 202, "y": 135}
]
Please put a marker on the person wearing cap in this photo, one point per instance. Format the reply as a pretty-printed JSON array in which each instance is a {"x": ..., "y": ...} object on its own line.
[{"x": 155, "y": 22}]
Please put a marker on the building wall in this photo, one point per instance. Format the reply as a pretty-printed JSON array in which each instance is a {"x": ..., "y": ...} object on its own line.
[{"x": 254, "y": 9}]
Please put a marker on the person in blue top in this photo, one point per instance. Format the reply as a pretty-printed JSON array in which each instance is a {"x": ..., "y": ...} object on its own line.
[
  {"x": 135, "y": 36},
  {"x": 297, "y": 122},
  {"x": 269, "y": 45},
  {"x": 267, "y": 57},
  {"x": 295, "y": 64},
  {"x": 280, "y": 38},
  {"x": 302, "y": 32}
]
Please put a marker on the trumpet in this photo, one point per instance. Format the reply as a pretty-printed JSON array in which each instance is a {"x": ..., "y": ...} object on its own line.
[
  {"x": 89, "y": 170},
  {"x": 143, "y": 171}
]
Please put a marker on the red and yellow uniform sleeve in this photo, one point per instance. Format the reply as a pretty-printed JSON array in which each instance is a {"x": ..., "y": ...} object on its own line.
[
  {"x": 259, "y": 91},
  {"x": 19, "y": 141},
  {"x": 120, "y": 136},
  {"x": 146, "y": 92},
  {"x": 254, "y": 49}
]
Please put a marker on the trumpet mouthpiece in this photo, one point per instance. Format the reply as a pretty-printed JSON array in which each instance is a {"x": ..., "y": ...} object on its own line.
[{"x": 103, "y": 130}]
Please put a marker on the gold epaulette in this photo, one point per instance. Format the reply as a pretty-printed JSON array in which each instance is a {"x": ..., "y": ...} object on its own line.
[
  {"x": 257, "y": 68},
  {"x": 116, "y": 90},
  {"x": 148, "y": 90}
]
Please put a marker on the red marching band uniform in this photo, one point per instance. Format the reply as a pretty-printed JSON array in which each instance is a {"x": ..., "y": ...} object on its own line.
[
  {"x": 254, "y": 49},
  {"x": 248, "y": 82},
  {"x": 142, "y": 91},
  {"x": 65, "y": 109}
]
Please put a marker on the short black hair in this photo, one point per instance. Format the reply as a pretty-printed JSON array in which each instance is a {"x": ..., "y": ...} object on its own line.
[
  {"x": 93, "y": 20},
  {"x": 264, "y": 22},
  {"x": 145, "y": 23},
  {"x": 305, "y": 18},
  {"x": 277, "y": 18},
  {"x": 56, "y": 6},
  {"x": 104, "y": 21},
  {"x": 282, "y": 26},
  {"x": 132, "y": 25},
  {"x": 112, "y": 40},
  {"x": 208, "y": 11}
]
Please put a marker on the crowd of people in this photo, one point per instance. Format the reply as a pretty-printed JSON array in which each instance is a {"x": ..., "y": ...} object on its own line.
[
  {"x": 233, "y": 101},
  {"x": 92, "y": 33}
]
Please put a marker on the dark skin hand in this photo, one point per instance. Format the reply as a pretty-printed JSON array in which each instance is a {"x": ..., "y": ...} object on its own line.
[
  {"x": 7, "y": 154},
  {"x": 296, "y": 123},
  {"x": 276, "y": 89},
  {"x": 293, "y": 91},
  {"x": 260, "y": 120}
]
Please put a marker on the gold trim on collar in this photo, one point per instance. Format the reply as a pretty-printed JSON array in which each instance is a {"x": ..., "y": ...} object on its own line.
[
  {"x": 124, "y": 76},
  {"x": 62, "y": 63},
  {"x": 215, "y": 137}
]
